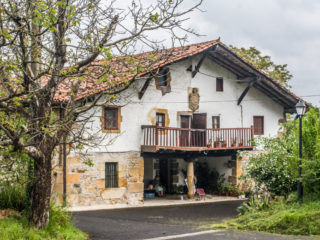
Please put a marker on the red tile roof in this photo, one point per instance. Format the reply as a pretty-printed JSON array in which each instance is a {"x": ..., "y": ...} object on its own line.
[
  {"x": 125, "y": 71},
  {"x": 121, "y": 70}
]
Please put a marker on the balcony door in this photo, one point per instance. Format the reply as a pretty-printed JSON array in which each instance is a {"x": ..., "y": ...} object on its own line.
[
  {"x": 185, "y": 122},
  {"x": 199, "y": 136}
]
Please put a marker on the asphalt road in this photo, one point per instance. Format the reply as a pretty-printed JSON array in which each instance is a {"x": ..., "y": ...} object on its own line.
[{"x": 168, "y": 222}]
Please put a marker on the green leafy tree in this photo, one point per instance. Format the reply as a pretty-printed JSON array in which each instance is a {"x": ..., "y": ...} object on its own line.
[
  {"x": 276, "y": 168},
  {"x": 48, "y": 57},
  {"x": 279, "y": 72}
]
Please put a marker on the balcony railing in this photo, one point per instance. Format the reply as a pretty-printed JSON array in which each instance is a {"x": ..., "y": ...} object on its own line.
[{"x": 155, "y": 138}]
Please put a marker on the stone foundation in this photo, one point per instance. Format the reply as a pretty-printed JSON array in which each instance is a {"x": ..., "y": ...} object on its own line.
[{"x": 86, "y": 185}]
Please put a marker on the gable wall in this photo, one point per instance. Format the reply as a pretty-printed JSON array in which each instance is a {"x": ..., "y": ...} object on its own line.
[{"x": 137, "y": 112}]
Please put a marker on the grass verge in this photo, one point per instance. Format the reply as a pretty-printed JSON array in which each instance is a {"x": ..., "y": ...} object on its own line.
[
  {"x": 282, "y": 218},
  {"x": 60, "y": 227}
]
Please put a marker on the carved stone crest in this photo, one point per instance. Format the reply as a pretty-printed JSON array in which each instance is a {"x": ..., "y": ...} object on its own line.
[{"x": 194, "y": 99}]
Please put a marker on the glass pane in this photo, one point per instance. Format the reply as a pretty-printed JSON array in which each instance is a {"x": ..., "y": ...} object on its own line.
[
  {"x": 162, "y": 78},
  {"x": 111, "y": 118},
  {"x": 160, "y": 119}
]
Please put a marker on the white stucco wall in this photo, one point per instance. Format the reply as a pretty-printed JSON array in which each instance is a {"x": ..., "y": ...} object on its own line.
[{"x": 137, "y": 112}]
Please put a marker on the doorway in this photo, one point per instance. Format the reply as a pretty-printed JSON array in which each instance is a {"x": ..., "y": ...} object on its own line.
[
  {"x": 185, "y": 122},
  {"x": 199, "y": 137},
  {"x": 165, "y": 174}
]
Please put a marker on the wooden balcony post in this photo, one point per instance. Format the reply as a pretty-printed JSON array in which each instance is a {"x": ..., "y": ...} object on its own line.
[
  {"x": 156, "y": 134},
  {"x": 252, "y": 134},
  {"x": 190, "y": 176}
]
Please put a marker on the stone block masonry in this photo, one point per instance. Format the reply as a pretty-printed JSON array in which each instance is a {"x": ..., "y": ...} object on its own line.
[{"x": 86, "y": 185}]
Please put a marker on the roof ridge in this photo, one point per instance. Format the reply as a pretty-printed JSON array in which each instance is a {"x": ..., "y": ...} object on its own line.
[{"x": 211, "y": 42}]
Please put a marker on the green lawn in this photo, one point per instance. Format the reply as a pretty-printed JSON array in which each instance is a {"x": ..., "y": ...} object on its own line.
[
  {"x": 281, "y": 218},
  {"x": 59, "y": 228}
]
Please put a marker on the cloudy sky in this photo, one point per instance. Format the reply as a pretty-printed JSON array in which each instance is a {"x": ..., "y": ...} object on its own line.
[{"x": 287, "y": 30}]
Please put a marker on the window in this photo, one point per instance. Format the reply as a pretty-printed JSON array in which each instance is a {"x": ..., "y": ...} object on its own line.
[
  {"x": 111, "y": 119},
  {"x": 219, "y": 84},
  {"x": 163, "y": 78},
  {"x": 160, "y": 119},
  {"x": 258, "y": 125},
  {"x": 215, "y": 121},
  {"x": 111, "y": 175}
]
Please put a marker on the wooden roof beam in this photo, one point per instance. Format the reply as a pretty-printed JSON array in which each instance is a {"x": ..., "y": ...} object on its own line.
[
  {"x": 234, "y": 64},
  {"x": 225, "y": 66},
  {"x": 144, "y": 88},
  {"x": 246, "y": 90},
  {"x": 272, "y": 96},
  {"x": 275, "y": 86},
  {"x": 280, "y": 93},
  {"x": 197, "y": 67}
]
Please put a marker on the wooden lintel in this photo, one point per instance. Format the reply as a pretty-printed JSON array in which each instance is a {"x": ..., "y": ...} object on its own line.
[
  {"x": 144, "y": 88},
  {"x": 197, "y": 67}
]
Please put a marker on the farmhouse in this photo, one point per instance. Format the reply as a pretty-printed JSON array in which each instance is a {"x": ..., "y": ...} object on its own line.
[{"x": 203, "y": 103}]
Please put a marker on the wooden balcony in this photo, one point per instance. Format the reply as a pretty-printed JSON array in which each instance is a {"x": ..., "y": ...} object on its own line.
[{"x": 185, "y": 139}]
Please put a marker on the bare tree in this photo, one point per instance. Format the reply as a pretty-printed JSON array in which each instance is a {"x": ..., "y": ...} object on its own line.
[{"x": 58, "y": 58}]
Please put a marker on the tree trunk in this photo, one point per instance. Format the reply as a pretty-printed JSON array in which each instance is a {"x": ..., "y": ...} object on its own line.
[{"x": 39, "y": 212}]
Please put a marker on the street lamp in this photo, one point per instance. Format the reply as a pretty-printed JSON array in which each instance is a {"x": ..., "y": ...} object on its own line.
[{"x": 300, "y": 108}]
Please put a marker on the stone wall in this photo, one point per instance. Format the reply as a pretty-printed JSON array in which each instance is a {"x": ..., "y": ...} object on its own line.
[
  {"x": 86, "y": 184},
  {"x": 241, "y": 164}
]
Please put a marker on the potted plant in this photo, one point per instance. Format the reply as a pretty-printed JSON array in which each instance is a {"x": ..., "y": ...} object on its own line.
[
  {"x": 217, "y": 143},
  {"x": 209, "y": 143},
  {"x": 241, "y": 143},
  {"x": 224, "y": 143},
  {"x": 233, "y": 143}
]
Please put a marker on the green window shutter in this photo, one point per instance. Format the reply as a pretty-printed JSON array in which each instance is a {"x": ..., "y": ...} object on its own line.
[{"x": 111, "y": 175}]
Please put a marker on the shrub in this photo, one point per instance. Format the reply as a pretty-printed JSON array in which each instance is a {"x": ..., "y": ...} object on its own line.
[
  {"x": 254, "y": 204},
  {"x": 282, "y": 218},
  {"x": 277, "y": 167},
  {"x": 60, "y": 227},
  {"x": 274, "y": 169},
  {"x": 206, "y": 178},
  {"x": 179, "y": 189},
  {"x": 13, "y": 197}
]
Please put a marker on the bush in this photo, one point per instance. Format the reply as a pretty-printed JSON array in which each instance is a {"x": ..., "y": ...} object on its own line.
[
  {"x": 60, "y": 227},
  {"x": 283, "y": 218},
  {"x": 13, "y": 197},
  {"x": 254, "y": 204},
  {"x": 210, "y": 180},
  {"x": 276, "y": 168}
]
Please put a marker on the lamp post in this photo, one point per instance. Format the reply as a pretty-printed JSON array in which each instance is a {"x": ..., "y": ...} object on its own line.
[{"x": 300, "y": 108}]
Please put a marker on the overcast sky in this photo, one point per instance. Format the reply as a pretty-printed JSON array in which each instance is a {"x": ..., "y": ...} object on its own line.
[{"x": 287, "y": 30}]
